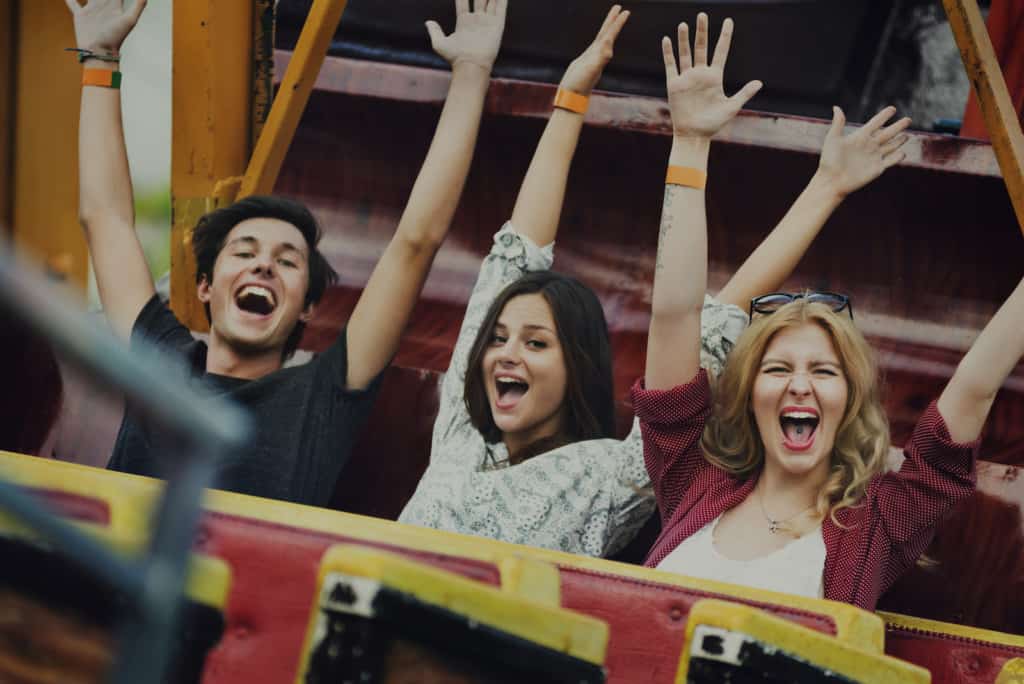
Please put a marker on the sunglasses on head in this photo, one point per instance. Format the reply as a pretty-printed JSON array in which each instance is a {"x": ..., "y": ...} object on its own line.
[{"x": 769, "y": 303}]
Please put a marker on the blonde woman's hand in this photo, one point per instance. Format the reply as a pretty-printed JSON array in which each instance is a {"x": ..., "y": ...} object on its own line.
[
  {"x": 696, "y": 94},
  {"x": 477, "y": 36},
  {"x": 849, "y": 162},
  {"x": 102, "y": 25},
  {"x": 585, "y": 71}
]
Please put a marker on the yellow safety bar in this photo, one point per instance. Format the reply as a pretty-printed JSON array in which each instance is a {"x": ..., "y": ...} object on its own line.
[
  {"x": 728, "y": 626},
  {"x": 516, "y": 613}
]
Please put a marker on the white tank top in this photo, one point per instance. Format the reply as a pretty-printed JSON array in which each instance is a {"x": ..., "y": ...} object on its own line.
[{"x": 796, "y": 568}]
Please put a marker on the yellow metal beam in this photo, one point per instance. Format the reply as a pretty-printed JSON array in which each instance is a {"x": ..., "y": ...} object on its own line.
[
  {"x": 987, "y": 79},
  {"x": 45, "y": 205},
  {"x": 292, "y": 97},
  {"x": 263, "y": 18},
  {"x": 212, "y": 73},
  {"x": 7, "y": 17}
]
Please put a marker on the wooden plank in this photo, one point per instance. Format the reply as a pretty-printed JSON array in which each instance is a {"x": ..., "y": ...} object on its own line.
[
  {"x": 212, "y": 74},
  {"x": 8, "y": 10},
  {"x": 297, "y": 84},
  {"x": 986, "y": 78},
  {"x": 45, "y": 201},
  {"x": 527, "y": 99}
]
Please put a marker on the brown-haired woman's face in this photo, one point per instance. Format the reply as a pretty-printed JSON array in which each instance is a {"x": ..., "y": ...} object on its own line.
[
  {"x": 799, "y": 399},
  {"x": 524, "y": 372}
]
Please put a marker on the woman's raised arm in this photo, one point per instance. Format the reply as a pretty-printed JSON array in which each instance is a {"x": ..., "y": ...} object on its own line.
[
  {"x": 699, "y": 109},
  {"x": 848, "y": 163},
  {"x": 968, "y": 397},
  {"x": 539, "y": 204},
  {"x": 384, "y": 308}
]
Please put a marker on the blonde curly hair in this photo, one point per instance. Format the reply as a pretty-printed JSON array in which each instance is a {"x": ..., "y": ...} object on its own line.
[{"x": 732, "y": 441}]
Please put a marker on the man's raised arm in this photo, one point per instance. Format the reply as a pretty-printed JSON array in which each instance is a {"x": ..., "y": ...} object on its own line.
[{"x": 106, "y": 209}]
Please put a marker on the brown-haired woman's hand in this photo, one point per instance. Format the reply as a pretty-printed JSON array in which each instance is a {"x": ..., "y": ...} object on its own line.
[
  {"x": 585, "y": 71},
  {"x": 696, "y": 95},
  {"x": 102, "y": 25},
  {"x": 477, "y": 35},
  {"x": 849, "y": 162}
]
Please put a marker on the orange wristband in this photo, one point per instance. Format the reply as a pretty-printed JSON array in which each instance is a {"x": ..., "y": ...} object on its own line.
[
  {"x": 101, "y": 77},
  {"x": 686, "y": 176},
  {"x": 573, "y": 102}
]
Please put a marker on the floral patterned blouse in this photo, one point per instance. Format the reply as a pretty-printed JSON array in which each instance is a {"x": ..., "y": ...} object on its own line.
[{"x": 589, "y": 497}]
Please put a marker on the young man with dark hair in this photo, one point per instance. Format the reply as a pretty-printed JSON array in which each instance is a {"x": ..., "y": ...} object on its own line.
[{"x": 260, "y": 275}]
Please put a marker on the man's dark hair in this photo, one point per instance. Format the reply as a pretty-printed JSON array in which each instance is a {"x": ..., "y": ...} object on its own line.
[
  {"x": 213, "y": 228},
  {"x": 583, "y": 336}
]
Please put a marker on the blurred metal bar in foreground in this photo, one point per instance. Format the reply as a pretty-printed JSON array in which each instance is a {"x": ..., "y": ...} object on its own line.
[{"x": 211, "y": 428}]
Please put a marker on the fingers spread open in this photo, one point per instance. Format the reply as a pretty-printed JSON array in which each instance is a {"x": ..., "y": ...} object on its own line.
[
  {"x": 889, "y": 132},
  {"x": 894, "y": 158},
  {"x": 894, "y": 144},
  {"x": 609, "y": 19},
  {"x": 671, "y": 69},
  {"x": 838, "y": 122},
  {"x": 878, "y": 120},
  {"x": 461, "y": 7},
  {"x": 700, "y": 41},
  {"x": 613, "y": 31},
  {"x": 436, "y": 34},
  {"x": 685, "y": 60},
  {"x": 748, "y": 91},
  {"x": 722, "y": 47}
]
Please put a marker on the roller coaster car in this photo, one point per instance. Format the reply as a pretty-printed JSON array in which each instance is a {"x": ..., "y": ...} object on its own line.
[
  {"x": 289, "y": 565},
  {"x": 60, "y": 623}
]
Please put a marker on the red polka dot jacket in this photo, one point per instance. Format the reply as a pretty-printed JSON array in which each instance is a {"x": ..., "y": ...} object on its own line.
[{"x": 884, "y": 537}]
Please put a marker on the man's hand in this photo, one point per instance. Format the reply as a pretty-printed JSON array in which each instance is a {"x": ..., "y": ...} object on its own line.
[
  {"x": 477, "y": 35},
  {"x": 849, "y": 162},
  {"x": 102, "y": 25},
  {"x": 585, "y": 71},
  {"x": 695, "y": 89}
]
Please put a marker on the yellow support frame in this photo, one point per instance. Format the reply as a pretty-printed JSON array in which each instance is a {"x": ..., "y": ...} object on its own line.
[
  {"x": 296, "y": 87},
  {"x": 211, "y": 114},
  {"x": 222, "y": 53},
  {"x": 44, "y": 205},
  {"x": 7, "y": 17},
  {"x": 987, "y": 79}
]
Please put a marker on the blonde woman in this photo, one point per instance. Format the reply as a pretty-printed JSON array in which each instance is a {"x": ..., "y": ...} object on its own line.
[{"x": 776, "y": 478}]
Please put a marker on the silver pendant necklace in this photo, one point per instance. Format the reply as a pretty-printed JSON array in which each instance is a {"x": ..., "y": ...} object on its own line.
[{"x": 775, "y": 525}]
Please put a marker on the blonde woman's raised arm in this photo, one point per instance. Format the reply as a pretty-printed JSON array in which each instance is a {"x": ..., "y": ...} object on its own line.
[
  {"x": 699, "y": 109},
  {"x": 968, "y": 397},
  {"x": 848, "y": 163}
]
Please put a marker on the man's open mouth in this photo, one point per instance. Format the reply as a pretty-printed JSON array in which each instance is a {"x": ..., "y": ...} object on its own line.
[
  {"x": 799, "y": 426},
  {"x": 256, "y": 299},
  {"x": 509, "y": 391}
]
